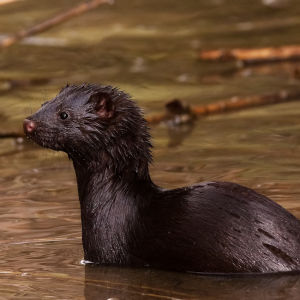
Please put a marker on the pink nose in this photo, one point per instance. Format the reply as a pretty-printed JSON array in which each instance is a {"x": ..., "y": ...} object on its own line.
[{"x": 29, "y": 126}]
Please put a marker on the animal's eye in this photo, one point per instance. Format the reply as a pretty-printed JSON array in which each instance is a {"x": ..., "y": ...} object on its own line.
[{"x": 63, "y": 115}]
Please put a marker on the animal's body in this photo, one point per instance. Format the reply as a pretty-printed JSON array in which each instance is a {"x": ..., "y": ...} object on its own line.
[{"x": 216, "y": 227}]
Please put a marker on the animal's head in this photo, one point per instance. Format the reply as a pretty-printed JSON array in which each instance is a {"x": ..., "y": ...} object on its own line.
[{"x": 91, "y": 122}]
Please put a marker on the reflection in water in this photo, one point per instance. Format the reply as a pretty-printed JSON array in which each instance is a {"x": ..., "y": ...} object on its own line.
[
  {"x": 177, "y": 134},
  {"x": 111, "y": 282}
]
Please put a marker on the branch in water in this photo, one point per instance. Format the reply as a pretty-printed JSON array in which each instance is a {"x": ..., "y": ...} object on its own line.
[
  {"x": 248, "y": 56},
  {"x": 233, "y": 104},
  {"x": 60, "y": 18}
]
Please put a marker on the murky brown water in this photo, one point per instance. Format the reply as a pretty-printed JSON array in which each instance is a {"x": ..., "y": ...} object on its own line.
[{"x": 147, "y": 48}]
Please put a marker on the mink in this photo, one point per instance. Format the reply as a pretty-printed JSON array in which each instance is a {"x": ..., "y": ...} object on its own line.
[{"x": 127, "y": 220}]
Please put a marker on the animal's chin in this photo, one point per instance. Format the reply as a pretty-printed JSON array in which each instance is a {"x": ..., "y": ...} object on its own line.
[{"x": 45, "y": 142}]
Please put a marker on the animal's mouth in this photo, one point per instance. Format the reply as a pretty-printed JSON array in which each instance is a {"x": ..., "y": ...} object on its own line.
[{"x": 45, "y": 138}]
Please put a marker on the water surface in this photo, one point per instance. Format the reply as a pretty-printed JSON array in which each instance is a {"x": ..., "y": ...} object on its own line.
[{"x": 150, "y": 50}]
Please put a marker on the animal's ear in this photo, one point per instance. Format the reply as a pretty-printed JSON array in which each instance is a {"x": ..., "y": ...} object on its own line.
[
  {"x": 62, "y": 89},
  {"x": 103, "y": 105}
]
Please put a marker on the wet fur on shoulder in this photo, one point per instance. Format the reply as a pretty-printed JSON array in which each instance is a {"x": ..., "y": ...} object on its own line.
[{"x": 127, "y": 220}]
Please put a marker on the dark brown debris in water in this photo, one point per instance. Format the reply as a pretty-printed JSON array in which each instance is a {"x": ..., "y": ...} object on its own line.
[{"x": 178, "y": 113}]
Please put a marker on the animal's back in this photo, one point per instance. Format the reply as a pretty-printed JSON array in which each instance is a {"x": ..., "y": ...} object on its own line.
[{"x": 225, "y": 227}]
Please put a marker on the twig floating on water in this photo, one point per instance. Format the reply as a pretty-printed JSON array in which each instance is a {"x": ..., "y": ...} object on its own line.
[
  {"x": 60, "y": 18},
  {"x": 233, "y": 104},
  {"x": 248, "y": 56}
]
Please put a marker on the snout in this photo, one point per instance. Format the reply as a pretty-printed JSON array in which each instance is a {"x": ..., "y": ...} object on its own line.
[{"x": 29, "y": 126}]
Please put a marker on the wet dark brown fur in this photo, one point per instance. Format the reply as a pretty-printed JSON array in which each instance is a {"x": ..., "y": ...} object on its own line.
[{"x": 217, "y": 227}]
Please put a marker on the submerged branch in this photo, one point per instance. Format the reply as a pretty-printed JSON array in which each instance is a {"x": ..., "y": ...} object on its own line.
[
  {"x": 248, "y": 56},
  {"x": 233, "y": 104},
  {"x": 58, "y": 19}
]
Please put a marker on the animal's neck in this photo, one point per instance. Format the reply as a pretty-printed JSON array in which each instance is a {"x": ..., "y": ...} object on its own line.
[{"x": 111, "y": 206}]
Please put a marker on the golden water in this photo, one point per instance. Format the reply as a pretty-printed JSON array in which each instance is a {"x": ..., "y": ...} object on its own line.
[{"x": 147, "y": 48}]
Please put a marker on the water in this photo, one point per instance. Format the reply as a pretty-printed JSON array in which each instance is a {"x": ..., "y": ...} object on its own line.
[{"x": 150, "y": 50}]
